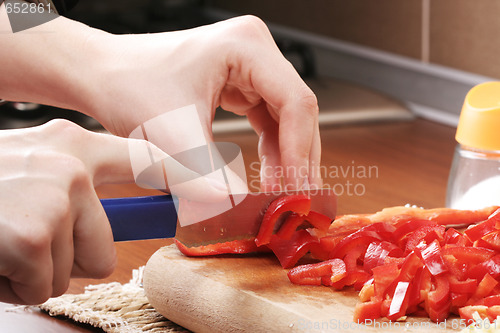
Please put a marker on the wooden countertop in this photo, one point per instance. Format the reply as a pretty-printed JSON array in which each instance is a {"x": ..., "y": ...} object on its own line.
[{"x": 370, "y": 166}]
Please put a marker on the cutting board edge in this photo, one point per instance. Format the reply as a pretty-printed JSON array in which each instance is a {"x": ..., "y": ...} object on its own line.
[{"x": 221, "y": 312}]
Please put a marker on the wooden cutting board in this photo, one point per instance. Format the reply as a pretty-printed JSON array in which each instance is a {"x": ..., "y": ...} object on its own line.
[{"x": 252, "y": 293}]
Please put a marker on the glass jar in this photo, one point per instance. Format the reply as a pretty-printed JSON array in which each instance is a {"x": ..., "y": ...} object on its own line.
[{"x": 474, "y": 180}]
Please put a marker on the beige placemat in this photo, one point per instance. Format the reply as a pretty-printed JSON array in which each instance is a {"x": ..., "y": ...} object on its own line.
[{"x": 113, "y": 307}]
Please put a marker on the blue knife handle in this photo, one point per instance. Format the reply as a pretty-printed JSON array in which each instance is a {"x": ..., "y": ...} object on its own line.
[{"x": 139, "y": 218}]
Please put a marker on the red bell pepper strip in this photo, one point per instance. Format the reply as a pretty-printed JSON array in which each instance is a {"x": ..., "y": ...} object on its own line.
[
  {"x": 324, "y": 248},
  {"x": 311, "y": 274},
  {"x": 466, "y": 313},
  {"x": 492, "y": 300},
  {"x": 490, "y": 266},
  {"x": 428, "y": 233},
  {"x": 238, "y": 246},
  {"x": 300, "y": 204},
  {"x": 467, "y": 287},
  {"x": 399, "y": 302},
  {"x": 294, "y": 220},
  {"x": 433, "y": 260},
  {"x": 452, "y": 236},
  {"x": 383, "y": 276},
  {"x": 368, "y": 310},
  {"x": 439, "y": 297},
  {"x": 377, "y": 252},
  {"x": 477, "y": 231},
  {"x": 289, "y": 251},
  {"x": 484, "y": 288},
  {"x": 403, "y": 229},
  {"x": 492, "y": 240},
  {"x": 363, "y": 237}
]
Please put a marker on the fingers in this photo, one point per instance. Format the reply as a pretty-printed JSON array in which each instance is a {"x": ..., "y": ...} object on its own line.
[
  {"x": 260, "y": 69},
  {"x": 269, "y": 150},
  {"x": 94, "y": 251}
]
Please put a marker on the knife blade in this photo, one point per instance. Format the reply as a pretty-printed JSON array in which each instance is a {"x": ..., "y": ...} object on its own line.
[{"x": 157, "y": 217}]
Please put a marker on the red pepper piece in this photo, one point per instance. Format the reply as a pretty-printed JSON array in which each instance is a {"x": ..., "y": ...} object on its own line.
[
  {"x": 324, "y": 248},
  {"x": 438, "y": 300},
  {"x": 289, "y": 251},
  {"x": 490, "y": 266},
  {"x": 492, "y": 240},
  {"x": 484, "y": 288},
  {"x": 368, "y": 310},
  {"x": 428, "y": 233},
  {"x": 492, "y": 300},
  {"x": 405, "y": 228},
  {"x": 477, "y": 231},
  {"x": 238, "y": 246},
  {"x": 383, "y": 276},
  {"x": 377, "y": 252},
  {"x": 466, "y": 313},
  {"x": 294, "y": 220},
  {"x": 312, "y": 274},
  {"x": 452, "y": 236},
  {"x": 362, "y": 238},
  {"x": 300, "y": 204},
  {"x": 399, "y": 302},
  {"x": 468, "y": 286},
  {"x": 467, "y": 254},
  {"x": 433, "y": 260}
]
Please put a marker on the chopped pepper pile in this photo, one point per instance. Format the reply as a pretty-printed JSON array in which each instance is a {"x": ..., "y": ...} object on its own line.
[{"x": 402, "y": 260}]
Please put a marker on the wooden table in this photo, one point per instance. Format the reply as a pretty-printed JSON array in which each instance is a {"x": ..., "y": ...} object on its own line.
[{"x": 371, "y": 166}]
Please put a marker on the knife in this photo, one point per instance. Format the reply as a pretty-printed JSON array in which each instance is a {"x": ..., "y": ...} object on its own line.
[{"x": 152, "y": 217}]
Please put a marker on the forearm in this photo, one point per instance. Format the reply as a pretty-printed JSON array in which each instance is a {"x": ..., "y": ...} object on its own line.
[{"x": 51, "y": 64}]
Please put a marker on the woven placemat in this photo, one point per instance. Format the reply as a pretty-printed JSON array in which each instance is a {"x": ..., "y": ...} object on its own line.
[{"x": 113, "y": 307}]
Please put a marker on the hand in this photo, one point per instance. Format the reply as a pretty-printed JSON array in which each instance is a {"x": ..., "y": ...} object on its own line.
[
  {"x": 53, "y": 225},
  {"x": 234, "y": 64}
]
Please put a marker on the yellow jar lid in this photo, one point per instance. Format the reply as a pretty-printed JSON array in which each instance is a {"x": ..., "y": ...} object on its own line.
[{"x": 479, "y": 124}]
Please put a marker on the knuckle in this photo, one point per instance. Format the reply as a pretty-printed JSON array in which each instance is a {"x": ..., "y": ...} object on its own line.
[
  {"x": 33, "y": 244},
  {"x": 308, "y": 101},
  {"x": 250, "y": 26},
  {"x": 104, "y": 269}
]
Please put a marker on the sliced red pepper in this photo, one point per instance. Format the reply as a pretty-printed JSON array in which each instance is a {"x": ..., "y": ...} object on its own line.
[
  {"x": 431, "y": 255},
  {"x": 468, "y": 286},
  {"x": 418, "y": 283},
  {"x": 408, "y": 227},
  {"x": 492, "y": 300},
  {"x": 289, "y": 251},
  {"x": 238, "y": 246},
  {"x": 312, "y": 274},
  {"x": 493, "y": 312},
  {"x": 383, "y": 276},
  {"x": 492, "y": 240},
  {"x": 300, "y": 204},
  {"x": 484, "y": 288},
  {"x": 428, "y": 233},
  {"x": 324, "y": 248},
  {"x": 294, "y": 220},
  {"x": 399, "y": 302},
  {"x": 440, "y": 296},
  {"x": 490, "y": 266},
  {"x": 457, "y": 301},
  {"x": 367, "y": 310},
  {"x": 377, "y": 252},
  {"x": 362, "y": 238},
  {"x": 452, "y": 236},
  {"x": 466, "y": 313},
  {"x": 477, "y": 231},
  {"x": 467, "y": 254}
]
